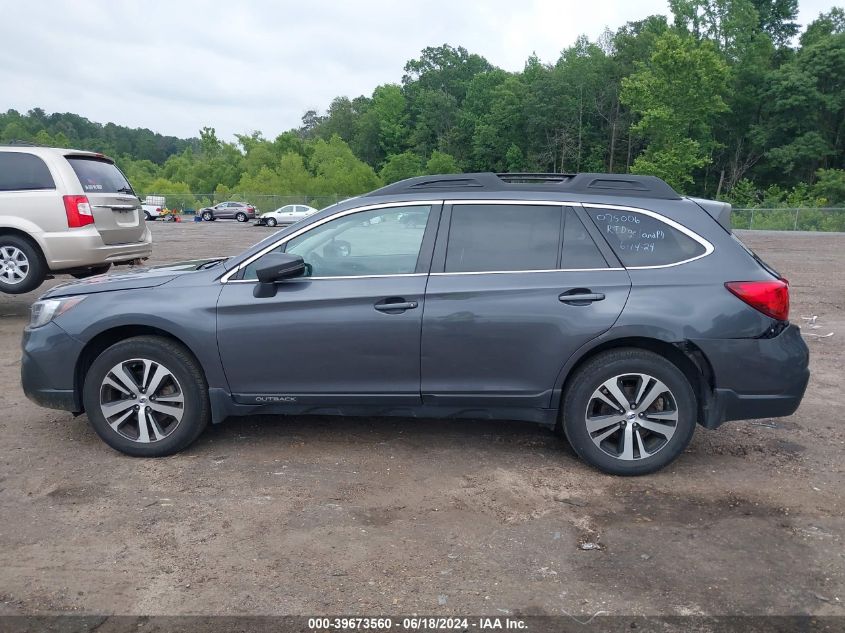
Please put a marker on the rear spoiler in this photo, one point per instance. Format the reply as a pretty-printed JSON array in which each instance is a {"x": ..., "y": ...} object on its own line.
[{"x": 719, "y": 211}]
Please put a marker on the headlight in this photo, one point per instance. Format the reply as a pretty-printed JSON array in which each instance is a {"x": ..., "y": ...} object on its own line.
[{"x": 48, "y": 309}]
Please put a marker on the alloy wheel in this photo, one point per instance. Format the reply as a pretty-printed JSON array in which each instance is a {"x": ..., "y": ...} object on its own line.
[
  {"x": 14, "y": 265},
  {"x": 631, "y": 416},
  {"x": 142, "y": 400}
]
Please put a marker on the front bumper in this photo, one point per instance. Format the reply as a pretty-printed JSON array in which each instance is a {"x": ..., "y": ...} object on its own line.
[
  {"x": 756, "y": 378},
  {"x": 48, "y": 365}
]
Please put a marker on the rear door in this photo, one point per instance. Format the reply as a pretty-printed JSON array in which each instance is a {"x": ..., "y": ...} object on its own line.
[
  {"x": 118, "y": 215},
  {"x": 518, "y": 287}
]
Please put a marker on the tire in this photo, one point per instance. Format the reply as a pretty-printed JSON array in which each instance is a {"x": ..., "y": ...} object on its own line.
[
  {"x": 186, "y": 381},
  {"x": 22, "y": 266},
  {"x": 208, "y": 216},
  {"x": 96, "y": 270},
  {"x": 655, "y": 438},
  {"x": 241, "y": 217},
  {"x": 271, "y": 222},
  {"x": 147, "y": 216}
]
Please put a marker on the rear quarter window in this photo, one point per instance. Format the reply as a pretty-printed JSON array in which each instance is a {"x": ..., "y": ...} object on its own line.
[
  {"x": 24, "y": 172},
  {"x": 97, "y": 175},
  {"x": 639, "y": 239}
]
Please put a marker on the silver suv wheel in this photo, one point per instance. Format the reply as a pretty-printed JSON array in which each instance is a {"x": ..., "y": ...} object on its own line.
[
  {"x": 14, "y": 265},
  {"x": 631, "y": 416},
  {"x": 141, "y": 400}
]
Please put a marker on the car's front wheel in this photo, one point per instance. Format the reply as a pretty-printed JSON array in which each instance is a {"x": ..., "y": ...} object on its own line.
[
  {"x": 271, "y": 222},
  {"x": 147, "y": 216},
  {"x": 146, "y": 397},
  {"x": 208, "y": 216},
  {"x": 22, "y": 268},
  {"x": 629, "y": 412}
]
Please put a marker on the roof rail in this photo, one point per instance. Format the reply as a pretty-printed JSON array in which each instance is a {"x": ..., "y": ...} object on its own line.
[
  {"x": 594, "y": 184},
  {"x": 17, "y": 141}
]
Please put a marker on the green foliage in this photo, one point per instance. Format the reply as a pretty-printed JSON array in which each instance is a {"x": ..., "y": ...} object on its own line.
[
  {"x": 400, "y": 166},
  {"x": 720, "y": 99}
]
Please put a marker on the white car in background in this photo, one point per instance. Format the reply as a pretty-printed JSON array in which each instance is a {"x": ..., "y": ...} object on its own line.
[
  {"x": 153, "y": 206},
  {"x": 286, "y": 215}
]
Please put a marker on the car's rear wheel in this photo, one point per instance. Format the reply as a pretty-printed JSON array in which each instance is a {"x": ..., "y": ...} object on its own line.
[
  {"x": 241, "y": 216},
  {"x": 208, "y": 216},
  {"x": 22, "y": 267},
  {"x": 629, "y": 412},
  {"x": 146, "y": 397},
  {"x": 271, "y": 222}
]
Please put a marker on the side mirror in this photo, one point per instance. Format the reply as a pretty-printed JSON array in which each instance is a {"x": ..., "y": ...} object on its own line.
[{"x": 276, "y": 267}]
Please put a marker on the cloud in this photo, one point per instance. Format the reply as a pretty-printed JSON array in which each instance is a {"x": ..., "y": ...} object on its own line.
[{"x": 176, "y": 66}]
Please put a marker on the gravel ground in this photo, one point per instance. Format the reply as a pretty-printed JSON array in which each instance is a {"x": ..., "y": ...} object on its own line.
[{"x": 372, "y": 516}]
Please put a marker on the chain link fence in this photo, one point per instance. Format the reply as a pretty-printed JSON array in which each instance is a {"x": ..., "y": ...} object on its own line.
[
  {"x": 790, "y": 219},
  {"x": 778, "y": 219}
]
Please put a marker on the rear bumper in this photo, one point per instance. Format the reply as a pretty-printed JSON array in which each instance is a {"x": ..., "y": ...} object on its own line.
[
  {"x": 85, "y": 247},
  {"x": 47, "y": 367},
  {"x": 756, "y": 378}
]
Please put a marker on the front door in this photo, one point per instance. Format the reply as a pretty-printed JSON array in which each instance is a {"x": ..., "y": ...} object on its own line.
[
  {"x": 518, "y": 288},
  {"x": 349, "y": 331}
]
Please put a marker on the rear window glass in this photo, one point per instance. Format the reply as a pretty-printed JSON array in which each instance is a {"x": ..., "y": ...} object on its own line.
[
  {"x": 579, "y": 249},
  {"x": 23, "y": 172},
  {"x": 641, "y": 240},
  {"x": 502, "y": 237},
  {"x": 99, "y": 176}
]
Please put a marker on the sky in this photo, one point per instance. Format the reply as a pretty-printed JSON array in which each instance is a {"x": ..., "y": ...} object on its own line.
[{"x": 176, "y": 66}]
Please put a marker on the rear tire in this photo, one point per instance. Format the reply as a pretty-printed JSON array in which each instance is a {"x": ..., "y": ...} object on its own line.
[
  {"x": 648, "y": 430},
  {"x": 22, "y": 266},
  {"x": 241, "y": 217},
  {"x": 147, "y": 216},
  {"x": 154, "y": 382}
]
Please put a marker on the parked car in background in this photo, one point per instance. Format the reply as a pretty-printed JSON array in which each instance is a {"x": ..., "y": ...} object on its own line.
[
  {"x": 606, "y": 305},
  {"x": 64, "y": 211},
  {"x": 286, "y": 215},
  {"x": 240, "y": 211},
  {"x": 153, "y": 207}
]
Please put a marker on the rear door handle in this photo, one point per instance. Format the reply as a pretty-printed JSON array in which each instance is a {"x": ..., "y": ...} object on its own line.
[
  {"x": 580, "y": 298},
  {"x": 395, "y": 306}
]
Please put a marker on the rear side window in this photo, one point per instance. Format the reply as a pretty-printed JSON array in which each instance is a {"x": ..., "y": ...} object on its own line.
[
  {"x": 23, "y": 172},
  {"x": 97, "y": 175},
  {"x": 503, "y": 237},
  {"x": 579, "y": 249},
  {"x": 639, "y": 239}
]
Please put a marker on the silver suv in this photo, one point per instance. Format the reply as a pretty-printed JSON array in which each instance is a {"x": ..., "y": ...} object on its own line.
[{"x": 64, "y": 211}]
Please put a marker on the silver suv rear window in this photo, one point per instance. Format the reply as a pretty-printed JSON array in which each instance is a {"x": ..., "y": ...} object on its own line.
[{"x": 98, "y": 175}]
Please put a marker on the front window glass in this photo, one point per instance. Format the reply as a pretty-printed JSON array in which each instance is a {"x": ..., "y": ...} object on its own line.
[{"x": 379, "y": 242}]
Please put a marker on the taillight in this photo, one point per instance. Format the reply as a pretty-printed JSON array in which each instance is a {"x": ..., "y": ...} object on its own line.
[
  {"x": 769, "y": 297},
  {"x": 78, "y": 211},
  {"x": 250, "y": 208}
]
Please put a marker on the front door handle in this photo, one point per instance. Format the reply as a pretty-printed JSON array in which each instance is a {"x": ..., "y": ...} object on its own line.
[
  {"x": 580, "y": 297},
  {"x": 395, "y": 305}
]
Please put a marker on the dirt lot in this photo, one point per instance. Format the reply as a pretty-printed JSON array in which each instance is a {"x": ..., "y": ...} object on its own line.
[{"x": 371, "y": 516}]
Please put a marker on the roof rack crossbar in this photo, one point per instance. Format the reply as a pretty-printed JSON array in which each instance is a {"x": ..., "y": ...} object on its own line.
[{"x": 585, "y": 183}]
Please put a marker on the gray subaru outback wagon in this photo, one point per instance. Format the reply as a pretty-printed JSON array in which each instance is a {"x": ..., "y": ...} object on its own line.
[{"x": 605, "y": 305}]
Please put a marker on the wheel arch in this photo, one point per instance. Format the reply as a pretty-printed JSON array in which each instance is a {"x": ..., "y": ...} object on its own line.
[
  {"x": 23, "y": 234},
  {"x": 684, "y": 354},
  {"x": 105, "y": 339}
]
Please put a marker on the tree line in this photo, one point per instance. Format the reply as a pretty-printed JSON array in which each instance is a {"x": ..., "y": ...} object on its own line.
[{"x": 723, "y": 99}]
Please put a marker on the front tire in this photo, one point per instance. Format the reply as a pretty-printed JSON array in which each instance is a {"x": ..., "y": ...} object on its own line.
[
  {"x": 208, "y": 216},
  {"x": 147, "y": 216},
  {"x": 629, "y": 412},
  {"x": 22, "y": 267},
  {"x": 147, "y": 397},
  {"x": 271, "y": 222}
]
